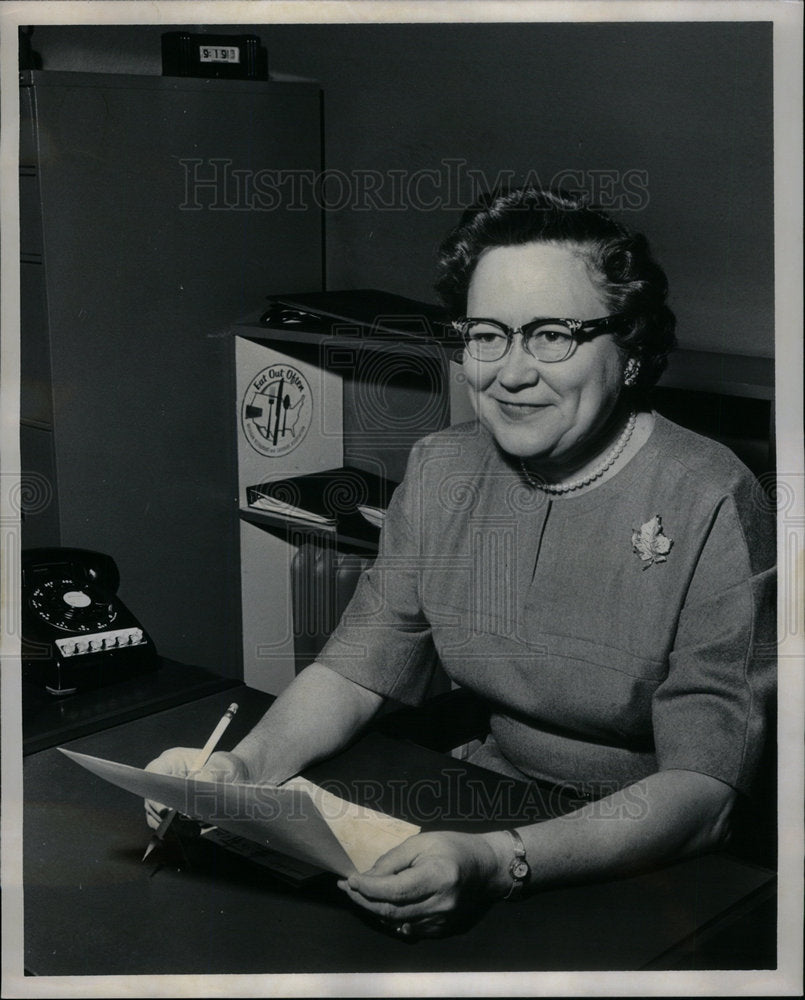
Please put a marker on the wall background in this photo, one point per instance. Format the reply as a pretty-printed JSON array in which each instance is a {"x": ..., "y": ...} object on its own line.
[
  {"x": 668, "y": 125},
  {"x": 675, "y": 119}
]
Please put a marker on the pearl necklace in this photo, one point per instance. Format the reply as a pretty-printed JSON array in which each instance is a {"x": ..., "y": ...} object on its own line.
[{"x": 609, "y": 460}]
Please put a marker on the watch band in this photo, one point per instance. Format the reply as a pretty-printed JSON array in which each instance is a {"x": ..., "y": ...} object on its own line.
[{"x": 518, "y": 867}]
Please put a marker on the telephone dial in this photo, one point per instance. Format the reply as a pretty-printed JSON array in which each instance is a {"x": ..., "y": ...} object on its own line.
[{"x": 76, "y": 632}]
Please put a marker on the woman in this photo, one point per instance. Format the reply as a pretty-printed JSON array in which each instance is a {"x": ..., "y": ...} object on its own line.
[{"x": 602, "y": 577}]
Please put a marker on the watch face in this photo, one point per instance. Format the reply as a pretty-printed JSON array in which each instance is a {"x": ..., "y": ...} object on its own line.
[{"x": 519, "y": 869}]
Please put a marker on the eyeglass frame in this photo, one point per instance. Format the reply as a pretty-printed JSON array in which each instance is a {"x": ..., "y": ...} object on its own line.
[{"x": 576, "y": 326}]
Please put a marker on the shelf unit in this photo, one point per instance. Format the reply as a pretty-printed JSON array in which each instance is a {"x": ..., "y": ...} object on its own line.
[
  {"x": 729, "y": 397},
  {"x": 738, "y": 375},
  {"x": 357, "y": 400}
]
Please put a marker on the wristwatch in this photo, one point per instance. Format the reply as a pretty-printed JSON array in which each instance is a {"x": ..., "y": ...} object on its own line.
[{"x": 518, "y": 867}]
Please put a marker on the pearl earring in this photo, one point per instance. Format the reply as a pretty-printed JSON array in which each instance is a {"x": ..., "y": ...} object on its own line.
[{"x": 631, "y": 371}]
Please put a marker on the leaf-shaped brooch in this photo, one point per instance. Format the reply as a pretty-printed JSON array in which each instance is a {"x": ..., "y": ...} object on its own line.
[{"x": 650, "y": 543}]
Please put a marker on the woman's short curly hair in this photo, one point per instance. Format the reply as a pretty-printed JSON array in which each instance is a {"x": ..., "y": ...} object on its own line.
[{"x": 619, "y": 262}]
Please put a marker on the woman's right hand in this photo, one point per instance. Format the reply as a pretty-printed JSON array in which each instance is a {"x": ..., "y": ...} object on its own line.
[{"x": 222, "y": 766}]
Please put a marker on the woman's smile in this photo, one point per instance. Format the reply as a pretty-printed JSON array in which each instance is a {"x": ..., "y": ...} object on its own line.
[{"x": 517, "y": 411}]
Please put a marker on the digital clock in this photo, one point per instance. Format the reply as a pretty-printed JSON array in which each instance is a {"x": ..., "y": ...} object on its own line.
[
  {"x": 218, "y": 54},
  {"x": 232, "y": 57}
]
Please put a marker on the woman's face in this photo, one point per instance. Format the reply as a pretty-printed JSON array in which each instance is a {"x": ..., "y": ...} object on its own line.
[{"x": 547, "y": 411}]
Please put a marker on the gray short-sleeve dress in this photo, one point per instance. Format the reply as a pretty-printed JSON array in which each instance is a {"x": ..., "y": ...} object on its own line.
[{"x": 614, "y": 634}]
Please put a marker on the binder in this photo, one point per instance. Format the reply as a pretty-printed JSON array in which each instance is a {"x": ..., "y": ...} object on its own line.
[{"x": 377, "y": 314}]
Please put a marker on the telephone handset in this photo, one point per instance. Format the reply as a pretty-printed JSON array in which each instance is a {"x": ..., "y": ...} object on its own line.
[{"x": 76, "y": 632}]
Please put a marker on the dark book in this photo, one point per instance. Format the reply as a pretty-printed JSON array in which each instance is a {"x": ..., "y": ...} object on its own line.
[
  {"x": 346, "y": 499},
  {"x": 289, "y": 869}
]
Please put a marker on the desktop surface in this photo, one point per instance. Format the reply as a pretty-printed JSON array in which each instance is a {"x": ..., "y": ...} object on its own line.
[
  {"x": 48, "y": 720},
  {"x": 92, "y": 907}
]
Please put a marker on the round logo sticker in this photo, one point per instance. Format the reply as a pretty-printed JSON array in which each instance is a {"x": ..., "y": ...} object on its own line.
[{"x": 276, "y": 410}]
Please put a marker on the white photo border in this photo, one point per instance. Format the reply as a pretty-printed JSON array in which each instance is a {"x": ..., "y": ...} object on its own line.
[{"x": 787, "y": 19}]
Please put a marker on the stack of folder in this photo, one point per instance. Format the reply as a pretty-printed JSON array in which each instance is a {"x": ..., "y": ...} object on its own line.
[{"x": 345, "y": 499}]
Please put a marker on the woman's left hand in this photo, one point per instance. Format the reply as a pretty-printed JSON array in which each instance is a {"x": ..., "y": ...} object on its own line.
[{"x": 429, "y": 885}]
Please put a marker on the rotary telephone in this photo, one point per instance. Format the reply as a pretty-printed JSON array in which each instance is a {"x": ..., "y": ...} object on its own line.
[{"x": 76, "y": 632}]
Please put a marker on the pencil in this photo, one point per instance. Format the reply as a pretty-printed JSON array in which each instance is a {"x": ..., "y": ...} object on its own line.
[{"x": 203, "y": 756}]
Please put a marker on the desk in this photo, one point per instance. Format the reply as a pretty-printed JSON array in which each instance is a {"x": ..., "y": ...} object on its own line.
[
  {"x": 93, "y": 908},
  {"x": 48, "y": 720}
]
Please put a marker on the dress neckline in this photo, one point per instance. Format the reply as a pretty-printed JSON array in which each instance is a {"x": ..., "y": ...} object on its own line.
[
  {"x": 625, "y": 478},
  {"x": 616, "y": 484}
]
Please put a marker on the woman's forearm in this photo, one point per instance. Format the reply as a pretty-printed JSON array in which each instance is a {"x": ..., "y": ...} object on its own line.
[
  {"x": 666, "y": 816},
  {"x": 316, "y": 715}
]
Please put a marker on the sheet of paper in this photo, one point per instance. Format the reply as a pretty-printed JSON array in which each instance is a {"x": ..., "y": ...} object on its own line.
[
  {"x": 364, "y": 833},
  {"x": 298, "y": 819},
  {"x": 284, "y": 819},
  {"x": 287, "y": 510}
]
